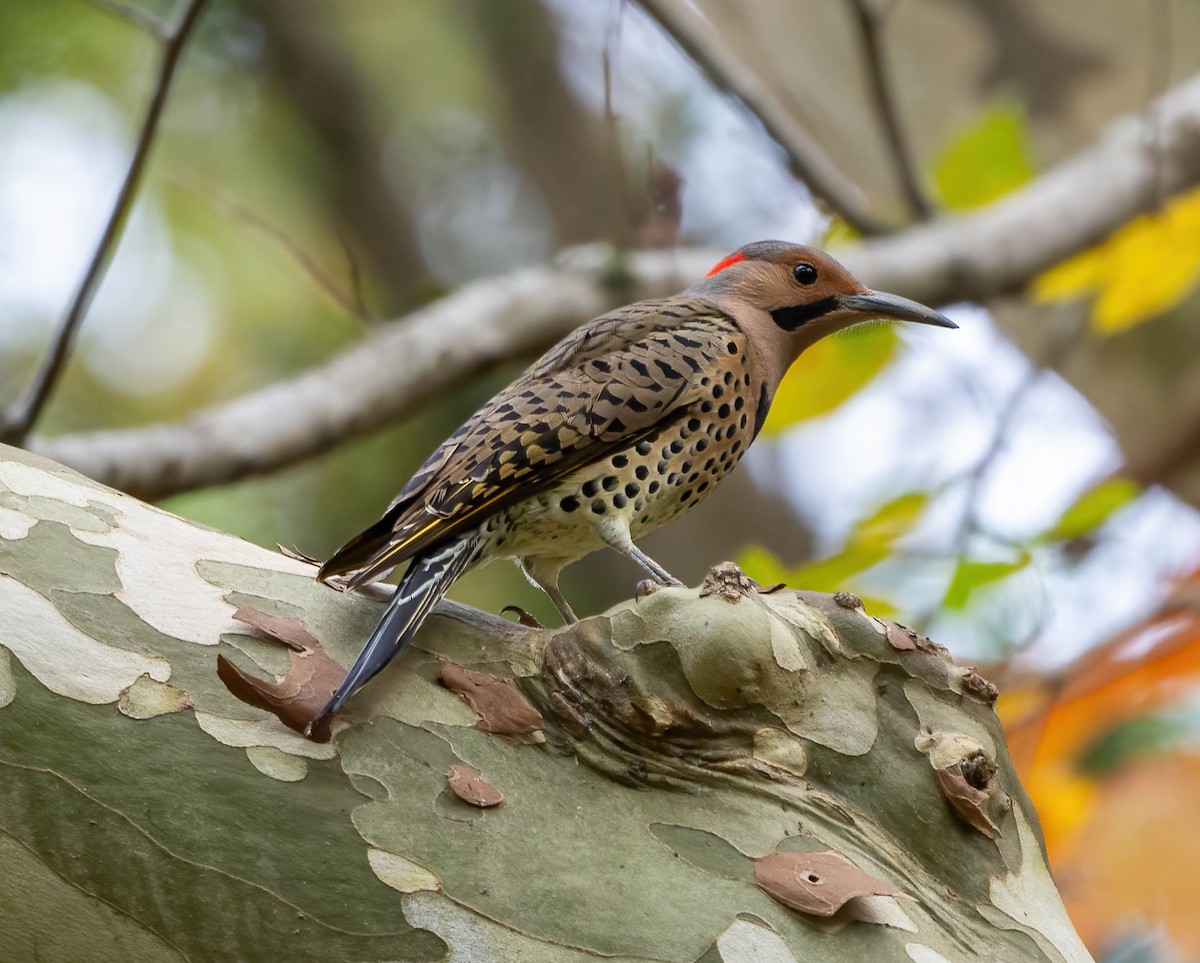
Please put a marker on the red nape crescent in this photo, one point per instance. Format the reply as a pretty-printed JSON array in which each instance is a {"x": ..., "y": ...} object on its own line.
[{"x": 728, "y": 262}]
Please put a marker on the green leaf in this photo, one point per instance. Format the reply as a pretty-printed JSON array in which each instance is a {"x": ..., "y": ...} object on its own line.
[
  {"x": 891, "y": 520},
  {"x": 970, "y": 576},
  {"x": 1134, "y": 739},
  {"x": 985, "y": 161},
  {"x": 824, "y": 575},
  {"x": 833, "y": 574},
  {"x": 1092, "y": 509},
  {"x": 869, "y": 544},
  {"x": 831, "y": 372},
  {"x": 827, "y": 575},
  {"x": 762, "y": 565}
]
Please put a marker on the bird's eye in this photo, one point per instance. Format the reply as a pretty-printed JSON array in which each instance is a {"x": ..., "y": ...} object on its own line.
[{"x": 804, "y": 273}]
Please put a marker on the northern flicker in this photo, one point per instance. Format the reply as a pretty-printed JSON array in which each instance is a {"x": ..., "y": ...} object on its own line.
[{"x": 624, "y": 425}]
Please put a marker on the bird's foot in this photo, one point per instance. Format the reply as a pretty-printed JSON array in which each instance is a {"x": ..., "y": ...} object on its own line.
[
  {"x": 523, "y": 617},
  {"x": 648, "y": 586}
]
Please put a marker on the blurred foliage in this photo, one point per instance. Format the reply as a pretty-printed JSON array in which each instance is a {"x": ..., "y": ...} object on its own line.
[
  {"x": 1092, "y": 509},
  {"x": 830, "y": 373},
  {"x": 986, "y": 160},
  {"x": 1147, "y": 267},
  {"x": 970, "y": 575},
  {"x": 1105, "y": 748},
  {"x": 871, "y": 542},
  {"x": 1125, "y": 743}
]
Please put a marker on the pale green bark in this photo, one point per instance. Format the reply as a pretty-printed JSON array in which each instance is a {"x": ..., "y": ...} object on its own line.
[{"x": 147, "y": 814}]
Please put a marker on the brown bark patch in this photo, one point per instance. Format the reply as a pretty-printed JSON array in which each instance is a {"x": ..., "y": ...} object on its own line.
[
  {"x": 976, "y": 685},
  {"x": 291, "y": 632},
  {"x": 819, "y": 884},
  {"x": 472, "y": 788},
  {"x": 502, "y": 709},
  {"x": 967, "y": 787},
  {"x": 310, "y": 680},
  {"x": 904, "y": 639}
]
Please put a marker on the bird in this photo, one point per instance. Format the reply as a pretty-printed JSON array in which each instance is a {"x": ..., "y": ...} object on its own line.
[{"x": 624, "y": 425}]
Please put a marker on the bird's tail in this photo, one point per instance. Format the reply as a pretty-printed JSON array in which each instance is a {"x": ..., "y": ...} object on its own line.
[{"x": 428, "y": 578}]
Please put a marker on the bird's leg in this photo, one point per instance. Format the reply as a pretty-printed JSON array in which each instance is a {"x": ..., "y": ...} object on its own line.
[
  {"x": 645, "y": 561},
  {"x": 617, "y": 538},
  {"x": 560, "y": 603},
  {"x": 545, "y": 576}
]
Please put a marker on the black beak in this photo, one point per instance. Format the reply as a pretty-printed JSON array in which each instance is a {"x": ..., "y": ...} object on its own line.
[{"x": 876, "y": 304}]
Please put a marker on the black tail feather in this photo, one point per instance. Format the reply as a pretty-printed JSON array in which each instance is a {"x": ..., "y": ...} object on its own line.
[
  {"x": 428, "y": 578},
  {"x": 362, "y": 549}
]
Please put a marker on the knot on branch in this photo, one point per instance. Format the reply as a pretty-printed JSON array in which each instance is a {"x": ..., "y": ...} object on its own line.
[
  {"x": 692, "y": 686},
  {"x": 727, "y": 581},
  {"x": 633, "y": 714}
]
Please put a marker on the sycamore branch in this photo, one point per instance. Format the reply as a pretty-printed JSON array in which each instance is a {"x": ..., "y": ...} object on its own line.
[
  {"x": 856, "y": 800},
  {"x": 390, "y": 373}
]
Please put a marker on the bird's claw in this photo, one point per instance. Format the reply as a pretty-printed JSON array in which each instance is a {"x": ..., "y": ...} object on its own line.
[{"x": 646, "y": 587}]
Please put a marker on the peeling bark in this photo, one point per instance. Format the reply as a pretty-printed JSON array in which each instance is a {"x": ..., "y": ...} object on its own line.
[{"x": 718, "y": 774}]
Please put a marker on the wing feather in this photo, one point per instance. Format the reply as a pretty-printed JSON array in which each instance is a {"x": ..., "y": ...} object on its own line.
[{"x": 603, "y": 388}]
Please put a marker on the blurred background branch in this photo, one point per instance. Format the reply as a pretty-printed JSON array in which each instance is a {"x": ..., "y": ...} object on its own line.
[
  {"x": 19, "y": 417},
  {"x": 870, "y": 17},
  {"x": 139, "y": 17},
  {"x": 324, "y": 86},
  {"x": 725, "y": 71},
  {"x": 395, "y": 370}
]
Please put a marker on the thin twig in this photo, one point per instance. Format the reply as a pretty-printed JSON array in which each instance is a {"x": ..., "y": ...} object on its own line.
[
  {"x": 869, "y": 20},
  {"x": 1161, "y": 54},
  {"x": 978, "y": 474},
  {"x": 354, "y": 276},
  {"x": 20, "y": 417},
  {"x": 612, "y": 120},
  {"x": 976, "y": 477},
  {"x": 725, "y": 70},
  {"x": 142, "y": 19},
  {"x": 349, "y": 302}
]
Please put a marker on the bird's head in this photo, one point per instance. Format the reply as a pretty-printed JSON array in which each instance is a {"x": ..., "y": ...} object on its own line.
[{"x": 788, "y": 296}]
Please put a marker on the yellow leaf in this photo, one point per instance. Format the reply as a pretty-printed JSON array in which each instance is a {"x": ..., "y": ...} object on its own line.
[
  {"x": 829, "y": 373},
  {"x": 1145, "y": 268},
  {"x": 890, "y": 520},
  {"x": 1073, "y": 277},
  {"x": 839, "y": 232},
  {"x": 868, "y": 545},
  {"x": 761, "y": 565},
  {"x": 829, "y": 575},
  {"x": 986, "y": 160}
]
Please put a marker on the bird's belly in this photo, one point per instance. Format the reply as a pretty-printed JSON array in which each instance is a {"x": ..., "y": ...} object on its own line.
[{"x": 643, "y": 486}]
